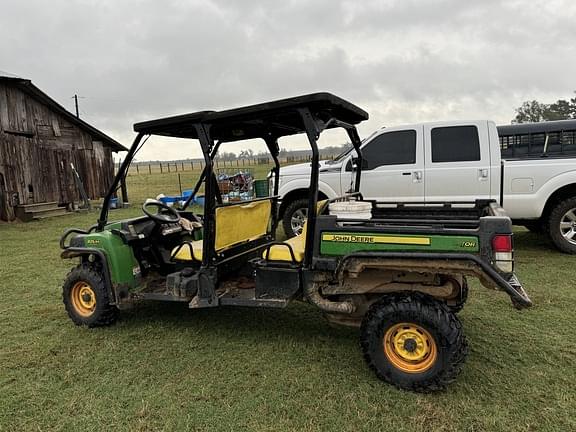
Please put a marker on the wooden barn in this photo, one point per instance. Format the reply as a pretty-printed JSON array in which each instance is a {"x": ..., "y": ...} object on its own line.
[{"x": 40, "y": 143}]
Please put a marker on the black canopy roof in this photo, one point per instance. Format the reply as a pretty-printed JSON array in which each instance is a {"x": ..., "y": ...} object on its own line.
[
  {"x": 533, "y": 128},
  {"x": 277, "y": 118}
]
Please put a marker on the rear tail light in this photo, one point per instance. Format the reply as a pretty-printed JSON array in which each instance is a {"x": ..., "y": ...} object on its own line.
[{"x": 503, "y": 256}]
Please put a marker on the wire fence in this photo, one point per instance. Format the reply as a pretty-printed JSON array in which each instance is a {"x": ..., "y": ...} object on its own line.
[{"x": 137, "y": 168}]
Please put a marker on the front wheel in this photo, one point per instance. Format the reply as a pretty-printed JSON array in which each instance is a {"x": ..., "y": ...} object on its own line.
[
  {"x": 86, "y": 299},
  {"x": 562, "y": 225},
  {"x": 413, "y": 342}
]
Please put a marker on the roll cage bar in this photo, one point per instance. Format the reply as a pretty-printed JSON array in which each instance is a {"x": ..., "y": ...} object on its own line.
[{"x": 310, "y": 114}]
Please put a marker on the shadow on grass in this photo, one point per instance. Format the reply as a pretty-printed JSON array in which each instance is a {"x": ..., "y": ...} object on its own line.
[{"x": 298, "y": 321}]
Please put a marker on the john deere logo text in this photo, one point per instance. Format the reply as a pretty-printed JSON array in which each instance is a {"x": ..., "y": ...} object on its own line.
[
  {"x": 357, "y": 238},
  {"x": 352, "y": 238},
  {"x": 92, "y": 242}
]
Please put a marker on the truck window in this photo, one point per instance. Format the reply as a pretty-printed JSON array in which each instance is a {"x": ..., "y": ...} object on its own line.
[
  {"x": 455, "y": 144},
  {"x": 390, "y": 148}
]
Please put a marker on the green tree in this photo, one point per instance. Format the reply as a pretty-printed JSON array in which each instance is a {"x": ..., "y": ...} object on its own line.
[{"x": 534, "y": 111}]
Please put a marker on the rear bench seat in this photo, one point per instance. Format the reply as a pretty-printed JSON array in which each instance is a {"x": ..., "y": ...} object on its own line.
[
  {"x": 235, "y": 224},
  {"x": 298, "y": 244}
]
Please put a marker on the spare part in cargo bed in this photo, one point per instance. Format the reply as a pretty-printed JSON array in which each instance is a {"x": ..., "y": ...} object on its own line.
[{"x": 399, "y": 271}]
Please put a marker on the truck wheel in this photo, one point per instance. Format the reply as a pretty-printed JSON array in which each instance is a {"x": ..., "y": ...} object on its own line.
[
  {"x": 562, "y": 226},
  {"x": 86, "y": 299},
  {"x": 294, "y": 217},
  {"x": 457, "y": 304},
  {"x": 413, "y": 342}
]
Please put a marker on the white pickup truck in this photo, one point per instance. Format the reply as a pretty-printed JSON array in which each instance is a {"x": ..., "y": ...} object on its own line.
[{"x": 529, "y": 168}]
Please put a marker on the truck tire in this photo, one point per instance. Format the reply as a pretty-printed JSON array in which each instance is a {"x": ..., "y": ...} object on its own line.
[
  {"x": 562, "y": 225},
  {"x": 294, "y": 217},
  {"x": 85, "y": 297},
  {"x": 413, "y": 342}
]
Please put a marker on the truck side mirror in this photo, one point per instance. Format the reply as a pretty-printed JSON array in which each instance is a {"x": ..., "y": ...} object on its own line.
[{"x": 356, "y": 160}]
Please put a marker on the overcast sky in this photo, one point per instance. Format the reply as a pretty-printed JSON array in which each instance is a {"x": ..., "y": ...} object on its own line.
[{"x": 403, "y": 61}]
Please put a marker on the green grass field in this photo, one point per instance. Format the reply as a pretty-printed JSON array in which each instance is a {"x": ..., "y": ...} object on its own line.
[{"x": 164, "y": 367}]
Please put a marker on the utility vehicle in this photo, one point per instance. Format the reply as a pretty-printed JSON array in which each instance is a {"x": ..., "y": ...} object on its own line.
[
  {"x": 400, "y": 275},
  {"x": 529, "y": 168}
]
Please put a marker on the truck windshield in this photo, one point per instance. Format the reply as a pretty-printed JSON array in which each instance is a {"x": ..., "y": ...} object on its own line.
[{"x": 349, "y": 149}]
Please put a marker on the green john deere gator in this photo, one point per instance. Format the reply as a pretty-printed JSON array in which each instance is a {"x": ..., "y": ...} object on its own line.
[{"x": 399, "y": 272}]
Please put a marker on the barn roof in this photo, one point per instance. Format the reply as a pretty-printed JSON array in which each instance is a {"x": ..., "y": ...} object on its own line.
[{"x": 28, "y": 87}]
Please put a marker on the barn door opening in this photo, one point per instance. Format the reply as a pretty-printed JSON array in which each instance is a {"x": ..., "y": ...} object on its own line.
[
  {"x": 62, "y": 180},
  {"x": 3, "y": 198}
]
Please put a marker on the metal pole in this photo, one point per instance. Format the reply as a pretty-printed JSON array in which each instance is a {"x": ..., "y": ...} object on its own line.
[
  {"x": 312, "y": 133},
  {"x": 76, "y": 105},
  {"x": 105, "y": 205}
]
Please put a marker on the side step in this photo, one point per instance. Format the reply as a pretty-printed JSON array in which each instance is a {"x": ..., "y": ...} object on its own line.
[{"x": 247, "y": 297}]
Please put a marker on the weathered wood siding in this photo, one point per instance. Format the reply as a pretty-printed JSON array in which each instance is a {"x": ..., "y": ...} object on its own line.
[{"x": 37, "y": 146}]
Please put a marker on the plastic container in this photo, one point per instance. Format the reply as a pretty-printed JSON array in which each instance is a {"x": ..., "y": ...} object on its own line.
[
  {"x": 351, "y": 210},
  {"x": 170, "y": 200},
  {"x": 261, "y": 188},
  {"x": 199, "y": 200},
  {"x": 113, "y": 203}
]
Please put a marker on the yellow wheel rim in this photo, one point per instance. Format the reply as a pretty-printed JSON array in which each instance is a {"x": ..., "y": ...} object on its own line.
[
  {"x": 410, "y": 348},
  {"x": 83, "y": 299}
]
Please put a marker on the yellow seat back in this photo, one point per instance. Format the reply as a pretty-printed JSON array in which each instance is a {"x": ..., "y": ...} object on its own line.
[
  {"x": 297, "y": 243},
  {"x": 241, "y": 222}
]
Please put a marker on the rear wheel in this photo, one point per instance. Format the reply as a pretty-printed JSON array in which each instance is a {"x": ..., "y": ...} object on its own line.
[
  {"x": 413, "y": 342},
  {"x": 86, "y": 299},
  {"x": 562, "y": 225},
  {"x": 294, "y": 217}
]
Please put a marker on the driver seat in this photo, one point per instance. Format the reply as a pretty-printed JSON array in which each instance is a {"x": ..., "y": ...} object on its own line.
[{"x": 188, "y": 251}]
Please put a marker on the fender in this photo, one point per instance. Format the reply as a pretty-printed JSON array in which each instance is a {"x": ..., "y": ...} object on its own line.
[
  {"x": 531, "y": 205},
  {"x": 304, "y": 184},
  {"x": 75, "y": 252}
]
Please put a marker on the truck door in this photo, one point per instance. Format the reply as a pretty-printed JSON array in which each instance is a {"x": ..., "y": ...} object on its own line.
[
  {"x": 393, "y": 166},
  {"x": 457, "y": 166}
]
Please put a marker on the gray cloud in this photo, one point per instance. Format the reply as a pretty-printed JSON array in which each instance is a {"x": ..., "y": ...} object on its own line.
[{"x": 404, "y": 61}]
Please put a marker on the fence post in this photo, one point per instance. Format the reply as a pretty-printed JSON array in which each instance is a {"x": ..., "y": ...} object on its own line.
[
  {"x": 160, "y": 167},
  {"x": 149, "y": 169},
  {"x": 137, "y": 169}
]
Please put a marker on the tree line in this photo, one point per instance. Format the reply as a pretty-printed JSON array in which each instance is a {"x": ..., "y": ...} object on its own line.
[{"x": 535, "y": 111}]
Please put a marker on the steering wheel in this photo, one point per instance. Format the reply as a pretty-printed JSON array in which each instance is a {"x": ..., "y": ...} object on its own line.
[{"x": 163, "y": 215}]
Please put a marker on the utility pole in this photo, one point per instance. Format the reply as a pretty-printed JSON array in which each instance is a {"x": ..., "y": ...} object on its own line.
[{"x": 76, "y": 105}]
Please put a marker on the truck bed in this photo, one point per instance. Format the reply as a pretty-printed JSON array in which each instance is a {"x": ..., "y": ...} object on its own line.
[{"x": 439, "y": 214}]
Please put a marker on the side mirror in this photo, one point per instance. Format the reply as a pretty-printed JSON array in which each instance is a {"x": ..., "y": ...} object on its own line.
[{"x": 356, "y": 160}]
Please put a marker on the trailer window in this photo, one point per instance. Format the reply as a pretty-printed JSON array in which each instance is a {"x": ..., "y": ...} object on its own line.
[
  {"x": 390, "y": 148},
  {"x": 455, "y": 144}
]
